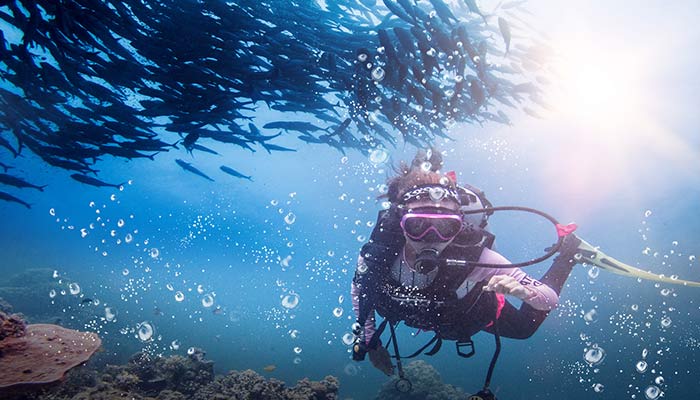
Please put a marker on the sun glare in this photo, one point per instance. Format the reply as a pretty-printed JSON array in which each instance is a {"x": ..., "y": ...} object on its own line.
[
  {"x": 598, "y": 87},
  {"x": 608, "y": 108}
]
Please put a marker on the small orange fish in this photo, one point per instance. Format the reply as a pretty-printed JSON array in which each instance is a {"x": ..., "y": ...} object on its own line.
[{"x": 270, "y": 368}]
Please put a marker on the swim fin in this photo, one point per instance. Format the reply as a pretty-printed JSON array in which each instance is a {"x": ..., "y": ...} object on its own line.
[
  {"x": 484, "y": 394},
  {"x": 591, "y": 255}
]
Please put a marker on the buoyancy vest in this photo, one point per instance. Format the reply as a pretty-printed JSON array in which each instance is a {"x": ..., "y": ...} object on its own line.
[{"x": 436, "y": 307}]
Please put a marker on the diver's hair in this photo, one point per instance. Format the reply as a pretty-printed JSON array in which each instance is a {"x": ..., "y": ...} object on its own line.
[{"x": 423, "y": 170}]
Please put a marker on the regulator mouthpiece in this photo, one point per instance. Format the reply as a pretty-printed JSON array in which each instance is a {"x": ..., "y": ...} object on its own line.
[{"x": 426, "y": 261}]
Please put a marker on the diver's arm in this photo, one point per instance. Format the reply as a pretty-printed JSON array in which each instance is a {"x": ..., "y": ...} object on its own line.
[
  {"x": 355, "y": 293},
  {"x": 514, "y": 282}
]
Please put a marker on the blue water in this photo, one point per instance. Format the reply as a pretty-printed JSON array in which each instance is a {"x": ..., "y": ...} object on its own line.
[{"x": 294, "y": 232}]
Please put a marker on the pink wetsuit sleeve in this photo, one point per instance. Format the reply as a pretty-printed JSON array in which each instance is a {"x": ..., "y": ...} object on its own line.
[
  {"x": 542, "y": 296},
  {"x": 355, "y": 294}
]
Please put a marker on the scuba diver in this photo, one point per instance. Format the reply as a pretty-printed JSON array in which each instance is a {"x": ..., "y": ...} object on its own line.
[{"x": 429, "y": 262}]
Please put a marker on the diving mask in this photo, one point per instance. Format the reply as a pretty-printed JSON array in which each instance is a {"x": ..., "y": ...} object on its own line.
[{"x": 431, "y": 227}]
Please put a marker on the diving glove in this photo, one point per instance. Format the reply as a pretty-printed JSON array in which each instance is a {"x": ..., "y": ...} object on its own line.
[
  {"x": 570, "y": 246},
  {"x": 359, "y": 349}
]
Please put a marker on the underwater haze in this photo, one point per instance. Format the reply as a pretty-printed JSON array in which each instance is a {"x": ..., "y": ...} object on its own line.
[{"x": 255, "y": 270}]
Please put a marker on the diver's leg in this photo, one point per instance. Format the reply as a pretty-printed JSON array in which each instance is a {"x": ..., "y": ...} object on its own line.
[{"x": 563, "y": 264}]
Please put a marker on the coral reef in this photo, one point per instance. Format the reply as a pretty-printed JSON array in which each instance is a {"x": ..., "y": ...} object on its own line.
[
  {"x": 181, "y": 374},
  {"x": 248, "y": 382},
  {"x": 11, "y": 326},
  {"x": 41, "y": 354},
  {"x": 427, "y": 385},
  {"x": 180, "y": 378}
]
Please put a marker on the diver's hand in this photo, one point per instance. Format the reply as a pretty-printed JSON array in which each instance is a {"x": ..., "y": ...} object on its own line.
[
  {"x": 380, "y": 358},
  {"x": 359, "y": 349},
  {"x": 508, "y": 285},
  {"x": 569, "y": 247}
]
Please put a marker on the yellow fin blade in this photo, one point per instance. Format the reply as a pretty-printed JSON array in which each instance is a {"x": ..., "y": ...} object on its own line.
[{"x": 590, "y": 255}]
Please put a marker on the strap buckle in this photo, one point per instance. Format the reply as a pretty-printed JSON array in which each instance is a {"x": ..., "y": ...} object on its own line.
[{"x": 469, "y": 343}]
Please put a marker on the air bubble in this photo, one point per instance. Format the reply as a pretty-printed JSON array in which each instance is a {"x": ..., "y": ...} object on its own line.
[
  {"x": 285, "y": 261},
  {"x": 641, "y": 366},
  {"x": 652, "y": 392},
  {"x": 348, "y": 339},
  {"x": 378, "y": 156},
  {"x": 593, "y": 272},
  {"x": 378, "y": 74},
  {"x": 74, "y": 288},
  {"x": 290, "y": 301},
  {"x": 594, "y": 356},
  {"x": 179, "y": 296},
  {"x": 350, "y": 370},
  {"x": 290, "y": 218},
  {"x": 591, "y": 316},
  {"x": 145, "y": 331},
  {"x": 208, "y": 301},
  {"x": 666, "y": 322},
  {"x": 110, "y": 314}
]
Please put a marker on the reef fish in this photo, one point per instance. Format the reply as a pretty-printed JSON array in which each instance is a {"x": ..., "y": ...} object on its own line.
[
  {"x": 188, "y": 167},
  {"x": 88, "y": 180},
  {"x": 505, "y": 32},
  {"x": 270, "y": 368},
  {"x": 204, "y": 149},
  {"x": 235, "y": 173},
  {"x": 18, "y": 182},
  {"x": 9, "y": 197}
]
